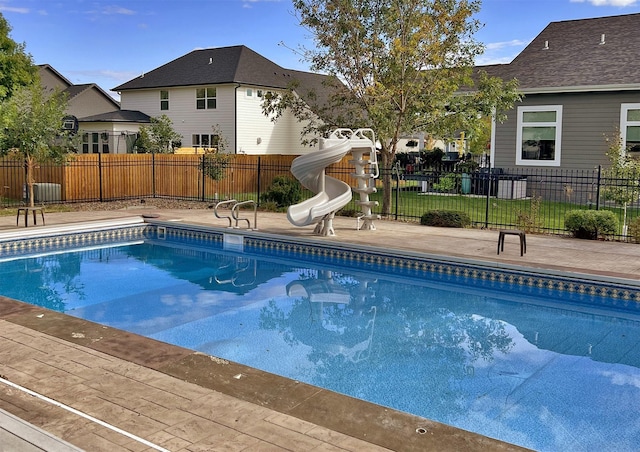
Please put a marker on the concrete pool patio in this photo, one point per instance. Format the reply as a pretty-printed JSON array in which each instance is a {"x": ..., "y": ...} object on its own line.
[{"x": 185, "y": 401}]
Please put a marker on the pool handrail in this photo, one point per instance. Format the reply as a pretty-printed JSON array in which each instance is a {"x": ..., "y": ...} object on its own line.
[
  {"x": 235, "y": 213},
  {"x": 221, "y": 203}
]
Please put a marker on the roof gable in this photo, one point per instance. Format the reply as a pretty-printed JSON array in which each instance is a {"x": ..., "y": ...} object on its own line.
[
  {"x": 75, "y": 91},
  {"x": 587, "y": 54}
]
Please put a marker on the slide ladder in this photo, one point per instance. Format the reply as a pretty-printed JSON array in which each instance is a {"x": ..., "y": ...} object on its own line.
[{"x": 366, "y": 172}]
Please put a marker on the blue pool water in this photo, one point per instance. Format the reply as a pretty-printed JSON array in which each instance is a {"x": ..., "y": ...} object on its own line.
[{"x": 544, "y": 369}]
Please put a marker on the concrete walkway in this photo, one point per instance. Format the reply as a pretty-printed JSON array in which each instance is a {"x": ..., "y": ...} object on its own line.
[{"x": 153, "y": 396}]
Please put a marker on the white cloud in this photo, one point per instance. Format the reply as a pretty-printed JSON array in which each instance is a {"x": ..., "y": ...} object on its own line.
[
  {"x": 504, "y": 44},
  {"x": 12, "y": 9},
  {"x": 110, "y": 10},
  {"x": 621, "y": 3}
]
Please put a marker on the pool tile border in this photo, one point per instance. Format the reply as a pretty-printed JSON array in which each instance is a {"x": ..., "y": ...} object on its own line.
[{"x": 621, "y": 295}]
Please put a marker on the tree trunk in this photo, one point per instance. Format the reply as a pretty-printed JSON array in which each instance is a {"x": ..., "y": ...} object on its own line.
[
  {"x": 29, "y": 164},
  {"x": 387, "y": 182}
]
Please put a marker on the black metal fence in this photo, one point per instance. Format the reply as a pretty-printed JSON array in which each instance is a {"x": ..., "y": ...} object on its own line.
[{"x": 533, "y": 199}]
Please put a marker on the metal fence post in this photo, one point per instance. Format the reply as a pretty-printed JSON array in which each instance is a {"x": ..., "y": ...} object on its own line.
[
  {"x": 598, "y": 187},
  {"x": 259, "y": 180},
  {"x": 488, "y": 189},
  {"x": 204, "y": 176}
]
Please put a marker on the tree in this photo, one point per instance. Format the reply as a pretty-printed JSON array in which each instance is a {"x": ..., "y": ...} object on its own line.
[
  {"x": 16, "y": 66},
  {"x": 31, "y": 128},
  {"x": 622, "y": 177},
  {"x": 216, "y": 158},
  {"x": 407, "y": 66},
  {"x": 159, "y": 136}
]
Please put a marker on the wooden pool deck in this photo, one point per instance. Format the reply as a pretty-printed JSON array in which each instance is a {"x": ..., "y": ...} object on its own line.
[{"x": 129, "y": 393}]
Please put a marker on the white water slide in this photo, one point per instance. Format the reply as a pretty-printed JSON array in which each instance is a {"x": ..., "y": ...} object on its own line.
[{"x": 331, "y": 194}]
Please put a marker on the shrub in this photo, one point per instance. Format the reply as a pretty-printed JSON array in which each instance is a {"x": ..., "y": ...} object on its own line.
[
  {"x": 530, "y": 220},
  {"x": 634, "y": 230},
  {"x": 284, "y": 191},
  {"x": 447, "y": 183},
  {"x": 591, "y": 224},
  {"x": 445, "y": 218}
]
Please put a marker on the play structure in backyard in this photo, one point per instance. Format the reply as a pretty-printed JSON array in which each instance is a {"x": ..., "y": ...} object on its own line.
[{"x": 332, "y": 194}]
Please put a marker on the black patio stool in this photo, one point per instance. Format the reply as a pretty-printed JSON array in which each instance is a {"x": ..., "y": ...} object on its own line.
[{"x": 519, "y": 233}]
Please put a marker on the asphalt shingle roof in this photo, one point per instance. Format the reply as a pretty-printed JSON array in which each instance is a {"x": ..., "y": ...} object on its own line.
[
  {"x": 118, "y": 116},
  {"x": 236, "y": 64},
  {"x": 570, "y": 55}
]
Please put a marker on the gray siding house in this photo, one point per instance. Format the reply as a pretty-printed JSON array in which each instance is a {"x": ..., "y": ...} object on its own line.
[{"x": 581, "y": 84}]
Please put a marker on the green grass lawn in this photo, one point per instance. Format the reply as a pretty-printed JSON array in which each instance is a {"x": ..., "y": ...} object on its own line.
[{"x": 546, "y": 216}]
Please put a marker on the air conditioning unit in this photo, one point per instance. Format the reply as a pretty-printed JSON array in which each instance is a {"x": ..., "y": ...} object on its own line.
[{"x": 43, "y": 192}]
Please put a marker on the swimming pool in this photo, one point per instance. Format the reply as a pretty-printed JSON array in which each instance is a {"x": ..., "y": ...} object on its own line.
[{"x": 499, "y": 352}]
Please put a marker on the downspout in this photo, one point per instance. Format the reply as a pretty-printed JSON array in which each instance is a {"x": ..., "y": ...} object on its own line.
[{"x": 235, "y": 119}]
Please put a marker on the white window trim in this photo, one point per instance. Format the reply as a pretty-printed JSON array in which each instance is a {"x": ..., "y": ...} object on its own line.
[
  {"x": 624, "y": 109},
  {"x": 557, "y": 124}
]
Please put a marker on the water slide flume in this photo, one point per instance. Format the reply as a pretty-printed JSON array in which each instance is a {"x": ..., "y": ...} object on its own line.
[{"x": 331, "y": 194}]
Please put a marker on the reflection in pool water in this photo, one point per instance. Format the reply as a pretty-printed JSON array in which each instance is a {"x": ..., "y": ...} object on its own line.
[{"x": 545, "y": 370}]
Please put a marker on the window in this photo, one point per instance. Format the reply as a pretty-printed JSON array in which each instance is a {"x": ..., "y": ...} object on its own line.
[
  {"x": 205, "y": 141},
  {"x": 259, "y": 93},
  {"x": 538, "y": 135},
  {"x": 94, "y": 143},
  {"x": 205, "y": 98},
  {"x": 249, "y": 92},
  {"x": 630, "y": 128},
  {"x": 85, "y": 143},
  {"x": 164, "y": 100}
]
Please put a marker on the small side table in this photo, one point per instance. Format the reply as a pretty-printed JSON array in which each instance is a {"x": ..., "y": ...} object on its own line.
[
  {"x": 26, "y": 211},
  {"x": 519, "y": 233}
]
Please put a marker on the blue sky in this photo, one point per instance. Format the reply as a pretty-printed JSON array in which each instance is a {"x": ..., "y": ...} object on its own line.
[{"x": 109, "y": 42}]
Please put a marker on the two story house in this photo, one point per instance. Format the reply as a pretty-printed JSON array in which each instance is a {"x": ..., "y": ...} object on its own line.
[
  {"x": 103, "y": 126},
  {"x": 581, "y": 84},
  {"x": 220, "y": 91}
]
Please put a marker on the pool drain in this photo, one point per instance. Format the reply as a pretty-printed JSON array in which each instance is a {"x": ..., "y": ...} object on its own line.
[{"x": 421, "y": 430}]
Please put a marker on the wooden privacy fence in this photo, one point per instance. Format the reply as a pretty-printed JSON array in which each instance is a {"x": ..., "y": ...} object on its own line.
[{"x": 109, "y": 177}]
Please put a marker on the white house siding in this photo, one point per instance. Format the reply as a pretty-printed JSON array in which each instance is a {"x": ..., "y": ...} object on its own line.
[
  {"x": 187, "y": 119},
  {"x": 247, "y": 132},
  {"x": 117, "y": 133},
  {"x": 586, "y": 119},
  {"x": 257, "y": 134}
]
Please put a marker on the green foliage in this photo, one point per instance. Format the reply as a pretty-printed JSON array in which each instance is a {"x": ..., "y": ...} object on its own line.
[
  {"x": 31, "y": 129},
  {"x": 216, "y": 159},
  {"x": 158, "y": 136},
  {"x": 447, "y": 183},
  {"x": 622, "y": 177},
  {"x": 530, "y": 220},
  {"x": 445, "y": 218},
  {"x": 634, "y": 229},
  {"x": 591, "y": 224},
  {"x": 16, "y": 66},
  {"x": 284, "y": 191},
  {"x": 387, "y": 86}
]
